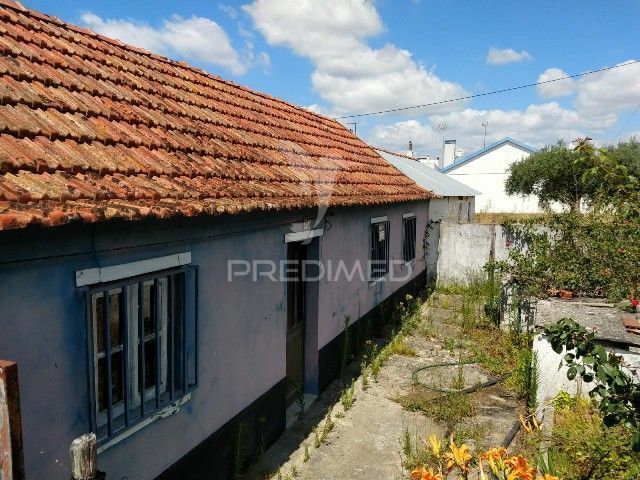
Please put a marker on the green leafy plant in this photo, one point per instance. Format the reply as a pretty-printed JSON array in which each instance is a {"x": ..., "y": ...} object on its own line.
[{"x": 618, "y": 397}]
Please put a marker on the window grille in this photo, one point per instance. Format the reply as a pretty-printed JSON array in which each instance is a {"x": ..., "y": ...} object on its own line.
[
  {"x": 144, "y": 347},
  {"x": 379, "y": 250},
  {"x": 409, "y": 238}
]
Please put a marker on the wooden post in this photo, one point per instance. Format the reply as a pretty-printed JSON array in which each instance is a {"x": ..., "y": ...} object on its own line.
[
  {"x": 83, "y": 454},
  {"x": 11, "y": 456}
]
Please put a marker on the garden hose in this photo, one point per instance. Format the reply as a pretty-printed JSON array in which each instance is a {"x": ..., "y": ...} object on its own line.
[
  {"x": 511, "y": 435},
  {"x": 472, "y": 389}
]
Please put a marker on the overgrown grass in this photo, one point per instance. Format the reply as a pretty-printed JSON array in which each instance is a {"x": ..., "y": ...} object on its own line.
[
  {"x": 498, "y": 351},
  {"x": 415, "y": 451},
  {"x": 449, "y": 409},
  {"x": 399, "y": 346},
  {"x": 404, "y": 320},
  {"x": 582, "y": 447}
]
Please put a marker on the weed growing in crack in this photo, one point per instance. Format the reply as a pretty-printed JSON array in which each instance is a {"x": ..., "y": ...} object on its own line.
[
  {"x": 329, "y": 424},
  {"x": 348, "y": 396},
  {"x": 306, "y": 457},
  {"x": 416, "y": 453}
]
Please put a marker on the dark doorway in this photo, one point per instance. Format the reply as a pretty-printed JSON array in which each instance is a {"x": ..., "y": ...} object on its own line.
[{"x": 296, "y": 313}]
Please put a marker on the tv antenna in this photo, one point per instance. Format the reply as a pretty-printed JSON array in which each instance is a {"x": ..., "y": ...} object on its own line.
[
  {"x": 442, "y": 128},
  {"x": 485, "y": 124}
]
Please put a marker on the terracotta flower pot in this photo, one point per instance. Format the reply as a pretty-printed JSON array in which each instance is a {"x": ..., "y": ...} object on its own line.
[{"x": 566, "y": 294}]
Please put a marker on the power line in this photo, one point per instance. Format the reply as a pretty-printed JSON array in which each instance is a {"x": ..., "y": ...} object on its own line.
[
  {"x": 626, "y": 123},
  {"x": 476, "y": 95}
]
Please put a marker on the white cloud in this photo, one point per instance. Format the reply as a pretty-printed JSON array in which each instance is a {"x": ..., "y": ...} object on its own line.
[
  {"x": 230, "y": 11},
  {"x": 537, "y": 125},
  {"x": 502, "y": 56},
  {"x": 610, "y": 91},
  {"x": 349, "y": 74},
  {"x": 554, "y": 89},
  {"x": 196, "y": 39}
]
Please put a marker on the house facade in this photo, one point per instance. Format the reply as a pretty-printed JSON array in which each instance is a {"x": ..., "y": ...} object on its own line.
[
  {"x": 180, "y": 257},
  {"x": 455, "y": 201},
  {"x": 486, "y": 171}
]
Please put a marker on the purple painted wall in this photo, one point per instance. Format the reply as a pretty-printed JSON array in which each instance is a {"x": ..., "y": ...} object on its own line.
[{"x": 242, "y": 325}]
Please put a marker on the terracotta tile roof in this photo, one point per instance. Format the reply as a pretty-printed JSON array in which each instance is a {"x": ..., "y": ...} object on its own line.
[{"x": 92, "y": 129}]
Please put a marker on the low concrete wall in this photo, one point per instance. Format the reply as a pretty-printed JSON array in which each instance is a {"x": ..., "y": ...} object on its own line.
[
  {"x": 464, "y": 249},
  {"x": 552, "y": 378}
]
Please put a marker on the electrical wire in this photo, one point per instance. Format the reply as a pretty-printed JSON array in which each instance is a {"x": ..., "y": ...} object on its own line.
[
  {"x": 476, "y": 95},
  {"x": 626, "y": 123}
]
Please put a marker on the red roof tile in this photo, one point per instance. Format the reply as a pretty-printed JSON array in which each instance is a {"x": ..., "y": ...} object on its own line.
[{"x": 91, "y": 129}]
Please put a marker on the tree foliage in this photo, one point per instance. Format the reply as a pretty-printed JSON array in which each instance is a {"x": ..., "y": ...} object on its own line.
[
  {"x": 558, "y": 173},
  {"x": 551, "y": 174},
  {"x": 617, "y": 395}
]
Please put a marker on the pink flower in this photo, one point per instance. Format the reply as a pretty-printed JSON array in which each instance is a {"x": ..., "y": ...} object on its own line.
[{"x": 634, "y": 302}]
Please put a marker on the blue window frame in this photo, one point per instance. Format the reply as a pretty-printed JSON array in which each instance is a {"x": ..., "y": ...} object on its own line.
[{"x": 143, "y": 347}]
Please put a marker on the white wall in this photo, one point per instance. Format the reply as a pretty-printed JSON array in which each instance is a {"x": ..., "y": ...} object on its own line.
[
  {"x": 464, "y": 249},
  {"x": 488, "y": 173},
  {"x": 552, "y": 378}
]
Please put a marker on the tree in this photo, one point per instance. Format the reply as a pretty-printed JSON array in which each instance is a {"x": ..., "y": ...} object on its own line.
[
  {"x": 557, "y": 174},
  {"x": 553, "y": 175}
]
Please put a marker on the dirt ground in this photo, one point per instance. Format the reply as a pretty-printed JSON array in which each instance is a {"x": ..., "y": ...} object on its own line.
[{"x": 367, "y": 440}]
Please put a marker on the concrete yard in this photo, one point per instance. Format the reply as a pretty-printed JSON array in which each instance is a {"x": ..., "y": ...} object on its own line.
[{"x": 367, "y": 440}]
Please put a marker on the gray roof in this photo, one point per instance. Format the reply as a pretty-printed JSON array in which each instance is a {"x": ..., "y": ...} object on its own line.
[{"x": 428, "y": 177}]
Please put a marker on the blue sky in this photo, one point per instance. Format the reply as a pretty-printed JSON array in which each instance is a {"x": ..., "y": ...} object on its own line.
[{"x": 352, "y": 56}]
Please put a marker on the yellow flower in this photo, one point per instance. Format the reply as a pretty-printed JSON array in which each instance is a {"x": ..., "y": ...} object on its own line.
[
  {"x": 435, "y": 444},
  {"x": 458, "y": 456},
  {"x": 495, "y": 457},
  {"x": 519, "y": 469},
  {"x": 424, "y": 474}
]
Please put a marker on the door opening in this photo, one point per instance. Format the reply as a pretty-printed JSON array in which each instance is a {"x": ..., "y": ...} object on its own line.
[{"x": 296, "y": 314}]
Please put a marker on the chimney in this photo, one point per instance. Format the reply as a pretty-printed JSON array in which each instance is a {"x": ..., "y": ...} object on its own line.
[
  {"x": 448, "y": 153},
  {"x": 410, "y": 148}
]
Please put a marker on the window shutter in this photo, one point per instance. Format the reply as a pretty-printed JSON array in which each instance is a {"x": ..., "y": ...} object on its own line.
[{"x": 191, "y": 328}]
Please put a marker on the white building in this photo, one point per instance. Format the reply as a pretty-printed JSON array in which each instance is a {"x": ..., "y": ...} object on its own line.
[
  {"x": 486, "y": 170},
  {"x": 455, "y": 202}
]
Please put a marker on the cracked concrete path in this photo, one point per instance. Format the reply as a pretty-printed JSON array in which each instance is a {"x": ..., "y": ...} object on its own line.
[{"x": 366, "y": 441}]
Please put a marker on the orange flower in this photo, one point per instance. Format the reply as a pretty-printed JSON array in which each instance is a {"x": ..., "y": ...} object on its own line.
[
  {"x": 424, "y": 474},
  {"x": 519, "y": 469}
]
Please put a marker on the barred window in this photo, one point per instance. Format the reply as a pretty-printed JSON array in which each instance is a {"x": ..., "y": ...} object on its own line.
[
  {"x": 379, "y": 258},
  {"x": 408, "y": 237},
  {"x": 144, "y": 347}
]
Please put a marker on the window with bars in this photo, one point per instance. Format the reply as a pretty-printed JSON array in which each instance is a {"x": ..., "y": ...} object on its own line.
[
  {"x": 409, "y": 237},
  {"x": 379, "y": 261},
  {"x": 144, "y": 346}
]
